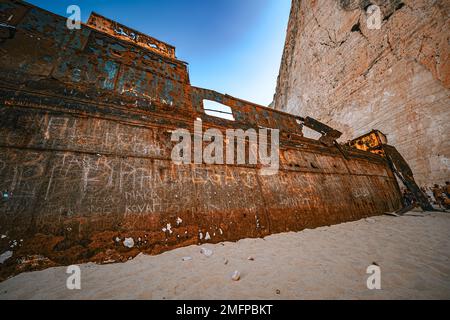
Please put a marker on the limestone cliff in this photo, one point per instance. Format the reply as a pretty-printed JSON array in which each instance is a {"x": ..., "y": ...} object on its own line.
[{"x": 395, "y": 79}]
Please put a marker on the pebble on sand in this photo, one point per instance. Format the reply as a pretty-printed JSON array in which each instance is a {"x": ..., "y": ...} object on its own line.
[
  {"x": 370, "y": 220},
  {"x": 236, "y": 276},
  {"x": 206, "y": 252}
]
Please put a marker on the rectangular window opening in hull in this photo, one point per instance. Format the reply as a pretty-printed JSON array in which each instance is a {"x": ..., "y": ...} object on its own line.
[{"x": 218, "y": 110}]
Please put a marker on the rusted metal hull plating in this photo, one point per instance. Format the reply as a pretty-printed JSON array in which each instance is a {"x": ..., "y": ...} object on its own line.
[{"x": 85, "y": 128}]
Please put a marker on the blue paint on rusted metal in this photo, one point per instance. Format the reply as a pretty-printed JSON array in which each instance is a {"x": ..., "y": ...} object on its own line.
[
  {"x": 111, "y": 69},
  {"x": 168, "y": 91}
]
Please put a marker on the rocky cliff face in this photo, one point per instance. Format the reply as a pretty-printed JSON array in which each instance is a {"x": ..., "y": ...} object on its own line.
[{"x": 395, "y": 79}]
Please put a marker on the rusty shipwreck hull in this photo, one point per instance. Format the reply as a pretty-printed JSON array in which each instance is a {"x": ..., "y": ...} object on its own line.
[{"x": 85, "y": 142}]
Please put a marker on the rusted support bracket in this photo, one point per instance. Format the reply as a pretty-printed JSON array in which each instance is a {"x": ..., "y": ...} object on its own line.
[
  {"x": 341, "y": 150},
  {"x": 329, "y": 135},
  {"x": 403, "y": 171}
]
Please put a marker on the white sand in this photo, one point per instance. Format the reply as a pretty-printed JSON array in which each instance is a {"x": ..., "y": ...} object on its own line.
[{"x": 326, "y": 263}]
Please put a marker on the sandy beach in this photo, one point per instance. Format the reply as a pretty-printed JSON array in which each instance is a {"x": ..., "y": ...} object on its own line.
[{"x": 412, "y": 252}]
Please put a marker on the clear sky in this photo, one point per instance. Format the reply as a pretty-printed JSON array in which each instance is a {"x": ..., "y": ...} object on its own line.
[{"x": 232, "y": 46}]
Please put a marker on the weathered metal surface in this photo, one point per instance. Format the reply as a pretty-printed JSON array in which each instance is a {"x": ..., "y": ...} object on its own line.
[
  {"x": 376, "y": 142},
  {"x": 122, "y": 32},
  {"x": 329, "y": 135},
  {"x": 85, "y": 138},
  {"x": 372, "y": 142}
]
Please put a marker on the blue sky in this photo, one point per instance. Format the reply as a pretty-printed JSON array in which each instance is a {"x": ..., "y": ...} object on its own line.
[{"x": 232, "y": 46}]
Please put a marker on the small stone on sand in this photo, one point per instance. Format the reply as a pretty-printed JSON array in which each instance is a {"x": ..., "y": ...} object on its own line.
[
  {"x": 206, "y": 252},
  {"x": 236, "y": 276},
  {"x": 370, "y": 220}
]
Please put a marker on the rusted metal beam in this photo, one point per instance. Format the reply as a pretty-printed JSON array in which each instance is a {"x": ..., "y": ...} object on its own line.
[
  {"x": 329, "y": 135},
  {"x": 122, "y": 32}
]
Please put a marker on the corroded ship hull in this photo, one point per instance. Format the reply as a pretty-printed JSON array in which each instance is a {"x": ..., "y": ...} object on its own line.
[{"x": 85, "y": 134}]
